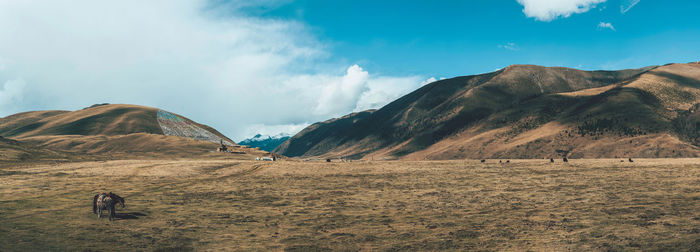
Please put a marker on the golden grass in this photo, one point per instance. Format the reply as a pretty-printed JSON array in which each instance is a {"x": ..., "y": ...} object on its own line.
[{"x": 189, "y": 204}]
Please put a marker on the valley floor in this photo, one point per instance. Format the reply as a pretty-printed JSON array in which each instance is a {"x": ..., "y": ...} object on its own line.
[{"x": 189, "y": 204}]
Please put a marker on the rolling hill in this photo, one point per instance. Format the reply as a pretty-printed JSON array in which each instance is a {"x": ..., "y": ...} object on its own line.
[
  {"x": 107, "y": 129},
  {"x": 13, "y": 150},
  {"x": 524, "y": 111}
]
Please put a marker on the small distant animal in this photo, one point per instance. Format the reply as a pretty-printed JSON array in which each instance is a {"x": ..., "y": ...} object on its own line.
[
  {"x": 630, "y": 159},
  {"x": 622, "y": 161},
  {"x": 483, "y": 160},
  {"x": 106, "y": 202},
  {"x": 551, "y": 160},
  {"x": 222, "y": 148},
  {"x": 328, "y": 160},
  {"x": 500, "y": 161},
  {"x": 566, "y": 159},
  {"x": 507, "y": 161}
]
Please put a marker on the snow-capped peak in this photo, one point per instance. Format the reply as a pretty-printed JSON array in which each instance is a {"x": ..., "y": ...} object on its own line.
[{"x": 261, "y": 137}]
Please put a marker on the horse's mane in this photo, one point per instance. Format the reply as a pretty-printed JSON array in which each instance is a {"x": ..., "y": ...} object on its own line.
[
  {"x": 113, "y": 195},
  {"x": 116, "y": 198}
]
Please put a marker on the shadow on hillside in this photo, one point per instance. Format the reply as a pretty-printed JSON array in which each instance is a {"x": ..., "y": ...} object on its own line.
[
  {"x": 679, "y": 79},
  {"x": 130, "y": 215}
]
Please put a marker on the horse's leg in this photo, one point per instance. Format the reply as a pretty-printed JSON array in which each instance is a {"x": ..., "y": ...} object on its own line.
[
  {"x": 99, "y": 212},
  {"x": 112, "y": 215}
]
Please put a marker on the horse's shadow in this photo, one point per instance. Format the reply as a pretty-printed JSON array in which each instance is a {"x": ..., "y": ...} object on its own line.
[{"x": 129, "y": 215}]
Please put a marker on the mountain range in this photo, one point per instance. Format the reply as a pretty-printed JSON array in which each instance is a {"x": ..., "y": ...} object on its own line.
[
  {"x": 523, "y": 111},
  {"x": 265, "y": 142}
]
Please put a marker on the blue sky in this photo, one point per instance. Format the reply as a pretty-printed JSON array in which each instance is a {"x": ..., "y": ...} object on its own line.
[
  {"x": 275, "y": 66},
  {"x": 452, "y": 38}
]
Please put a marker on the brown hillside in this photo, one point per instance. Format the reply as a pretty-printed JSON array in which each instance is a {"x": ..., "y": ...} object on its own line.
[
  {"x": 141, "y": 145},
  {"x": 102, "y": 120},
  {"x": 17, "y": 151},
  {"x": 104, "y": 129},
  {"x": 320, "y": 136},
  {"x": 526, "y": 111},
  {"x": 109, "y": 120}
]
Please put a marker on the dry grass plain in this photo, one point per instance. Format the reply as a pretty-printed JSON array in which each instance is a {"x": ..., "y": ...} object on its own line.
[{"x": 190, "y": 204}]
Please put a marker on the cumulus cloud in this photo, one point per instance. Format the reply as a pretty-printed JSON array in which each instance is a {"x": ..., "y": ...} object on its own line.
[
  {"x": 548, "y": 10},
  {"x": 627, "y": 5},
  {"x": 382, "y": 90},
  {"x": 604, "y": 25},
  {"x": 342, "y": 95},
  {"x": 211, "y": 63}
]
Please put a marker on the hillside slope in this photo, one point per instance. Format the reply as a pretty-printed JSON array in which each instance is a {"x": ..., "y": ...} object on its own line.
[
  {"x": 108, "y": 120},
  {"x": 524, "y": 111},
  {"x": 112, "y": 128},
  {"x": 13, "y": 151}
]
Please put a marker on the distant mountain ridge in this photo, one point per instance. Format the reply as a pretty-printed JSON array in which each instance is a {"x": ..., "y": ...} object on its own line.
[
  {"x": 523, "y": 111},
  {"x": 265, "y": 142}
]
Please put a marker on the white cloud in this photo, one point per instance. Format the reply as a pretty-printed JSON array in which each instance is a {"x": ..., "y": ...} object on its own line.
[
  {"x": 509, "y": 46},
  {"x": 603, "y": 25},
  {"x": 382, "y": 90},
  {"x": 11, "y": 94},
  {"x": 428, "y": 81},
  {"x": 341, "y": 95},
  {"x": 627, "y": 5},
  {"x": 213, "y": 65},
  {"x": 548, "y": 10}
]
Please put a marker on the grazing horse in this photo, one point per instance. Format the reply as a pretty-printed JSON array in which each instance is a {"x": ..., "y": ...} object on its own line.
[{"x": 106, "y": 201}]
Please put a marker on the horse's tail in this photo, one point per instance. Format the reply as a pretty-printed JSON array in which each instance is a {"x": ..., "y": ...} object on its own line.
[{"x": 94, "y": 203}]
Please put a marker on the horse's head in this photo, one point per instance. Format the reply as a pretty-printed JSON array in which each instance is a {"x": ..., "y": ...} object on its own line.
[
  {"x": 121, "y": 201},
  {"x": 117, "y": 198}
]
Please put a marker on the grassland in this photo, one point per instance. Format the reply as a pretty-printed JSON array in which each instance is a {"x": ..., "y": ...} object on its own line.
[{"x": 190, "y": 204}]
